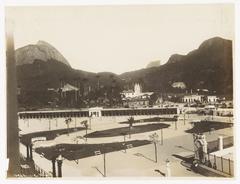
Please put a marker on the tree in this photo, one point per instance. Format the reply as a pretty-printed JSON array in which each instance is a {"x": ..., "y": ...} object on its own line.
[
  {"x": 154, "y": 139},
  {"x": 68, "y": 121},
  {"x": 98, "y": 83},
  {"x": 130, "y": 122},
  {"x": 85, "y": 124}
]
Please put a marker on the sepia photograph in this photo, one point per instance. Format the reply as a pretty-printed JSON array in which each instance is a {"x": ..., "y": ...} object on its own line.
[{"x": 128, "y": 90}]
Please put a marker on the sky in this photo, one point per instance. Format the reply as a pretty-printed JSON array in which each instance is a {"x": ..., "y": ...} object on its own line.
[{"x": 120, "y": 38}]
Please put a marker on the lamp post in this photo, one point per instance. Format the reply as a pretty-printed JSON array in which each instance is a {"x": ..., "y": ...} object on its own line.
[
  {"x": 59, "y": 164},
  {"x": 124, "y": 140},
  {"x": 154, "y": 139},
  {"x": 104, "y": 161},
  {"x": 90, "y": 122},
  {"x": 184, "y": 119},
  {"x": 161, "y": 136},
  {"x": 130, "y": 121},
  {"x": 31, "y": 151},
  {"x": 175, "y": 121}
]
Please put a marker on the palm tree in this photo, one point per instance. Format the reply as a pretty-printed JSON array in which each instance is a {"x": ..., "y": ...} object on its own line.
[
  {"x": 98, "y": 76},
  {"x": 68, "y": 121},
  {"x": 154, "y": 139},
  {"x": 85, "y": 124},
  {"x": 130, "y": 122}
]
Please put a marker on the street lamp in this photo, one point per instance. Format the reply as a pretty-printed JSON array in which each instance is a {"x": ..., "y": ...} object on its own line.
[
  {"x": 90, "y": 121},
  {"x": 154, "y": 139},
  {"x": 184, "y": 118},
  {"x": 130, "y": 121}
]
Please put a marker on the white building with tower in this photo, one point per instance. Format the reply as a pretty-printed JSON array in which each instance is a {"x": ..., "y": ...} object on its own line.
[{"x": 137, "y": 92}]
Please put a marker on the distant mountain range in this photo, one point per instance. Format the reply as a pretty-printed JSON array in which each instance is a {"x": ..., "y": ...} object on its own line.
[{"x": 209, "y": 67}]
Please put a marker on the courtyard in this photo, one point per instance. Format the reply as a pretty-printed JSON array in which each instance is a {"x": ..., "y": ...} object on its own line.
[{"x": 108, "y": 145}]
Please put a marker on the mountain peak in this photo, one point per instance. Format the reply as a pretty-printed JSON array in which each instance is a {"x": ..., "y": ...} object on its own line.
[
  {"x": 41, "y": 51},
  {"x": 41, "y": 42},
  {"x": 154, "y": 64},
  {"x": 213, "y": 42},
  {"x": 174, "y": 58}
]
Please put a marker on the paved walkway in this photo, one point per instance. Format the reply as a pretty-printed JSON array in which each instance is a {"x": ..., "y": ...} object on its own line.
[{"x": 137, "y": 161}]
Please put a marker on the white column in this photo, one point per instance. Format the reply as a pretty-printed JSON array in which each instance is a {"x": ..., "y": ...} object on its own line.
[
  {"x": 168, "y": 169},
  {"x": 220, "y": 143}
]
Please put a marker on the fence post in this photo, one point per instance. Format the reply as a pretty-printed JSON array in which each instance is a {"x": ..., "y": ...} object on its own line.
[{"x": 215, "y": 163}]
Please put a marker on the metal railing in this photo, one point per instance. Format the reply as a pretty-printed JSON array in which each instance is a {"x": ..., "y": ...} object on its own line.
[
  {"x": 41, "y": 172},
  {"x": 30, "y": 169},
  {"x": 225, "y": 165}
]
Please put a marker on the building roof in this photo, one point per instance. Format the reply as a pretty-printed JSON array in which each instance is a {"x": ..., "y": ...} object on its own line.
[
  {"x": 127, "y": 91},
  {"x": 192, "y": 95},
  {"x": 68, "y": 87}
]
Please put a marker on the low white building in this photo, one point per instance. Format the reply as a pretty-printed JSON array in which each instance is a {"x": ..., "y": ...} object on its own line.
[
  {"x": 128, "y": 94},
  {"x": 223, "y": 112},
  {"x": 192, "y": 98},
  {"x": 95, "y": 112},
  {"x": 212, "y": 99}
]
